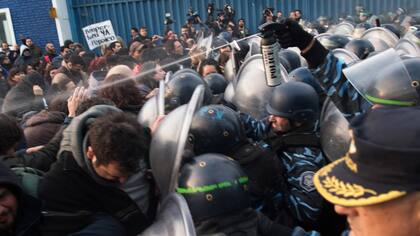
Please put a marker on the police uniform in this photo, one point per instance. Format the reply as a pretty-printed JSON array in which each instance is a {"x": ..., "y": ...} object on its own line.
[
  {"x": 298, "y": 150},
  {"x": 382, "y": 163}
]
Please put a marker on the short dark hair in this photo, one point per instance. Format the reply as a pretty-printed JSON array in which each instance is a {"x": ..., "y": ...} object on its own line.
[
  {"x": 126, "y": 60},
  {"x": 112, "y": 60},
  {"x": 118, "y": 137},
  {"x": 143, "y": 27},
  {"x": 112, "y": 45},
  {"x": 208, "y": 62},
  {"x": 93, "y": 101},
  {"x": 134, "y": 29},
  {"x": 76, "y": 60},
  {"x": 62, "y": 48},
  {"x": 11, "y": 133},
  {"x": 122, "y": 91}
]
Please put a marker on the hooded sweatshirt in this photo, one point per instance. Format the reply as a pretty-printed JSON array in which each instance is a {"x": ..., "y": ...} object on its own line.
[{"x": 29, "y": 209}]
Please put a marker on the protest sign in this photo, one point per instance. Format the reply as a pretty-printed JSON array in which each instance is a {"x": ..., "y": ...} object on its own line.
[{"x": 99, "y": 34}]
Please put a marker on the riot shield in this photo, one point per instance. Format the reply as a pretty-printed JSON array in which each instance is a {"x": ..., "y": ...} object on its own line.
[
  {"x": 348, "y": 57},
  {"x": 380, "y": 38},
  {"x": 254, "y": 46},
  {"x": 168, "y": 142},
  {"x": 149, "y": 112},
  {"x": 335, "y": 136},
  {"x": 174, "y": 218},
  {"x": 230, "y": 70},
  {"x": 205, "y": 42},
  {"x": 185, "y": 71},
  {"x": 344, "y": 28},
  {"x": 251, "y": 90},
  {"x": 383, "y": 79},
  {"x": 229, "y": 93},
  {"x": 323, "y": 36},
  {"x": 161, "y": 98},
  {"x": 324, "y": 39},
  {"x": 408, "y": 48}
]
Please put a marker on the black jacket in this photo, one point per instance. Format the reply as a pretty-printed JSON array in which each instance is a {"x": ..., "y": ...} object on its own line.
[
  {"x": 21, "y": 99},
  {"x": 68, "y": 188},
  {"x": 72, "y": 185},
  {"x": 245, "y": 223},
  {"x": 41, "y": 127},
  {"x": 40, "y": 160},
  {"x": 29, "y": 209}
]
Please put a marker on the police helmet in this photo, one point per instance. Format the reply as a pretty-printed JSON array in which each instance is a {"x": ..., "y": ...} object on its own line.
[
  {"x": 360, "y": 47},
  {"x": 215, "y": 128},
  {"x": 296, "y": 101},
  {"x": 180, "y": 89},
  {"x": 289, "y": 59},
  {"x": 216, "y": 82},
  {"x": 392, "y": 28},
  {"x": 334, "y": 41},
  {"x": 303, "y": 74},
  {"x": 397, "y": 86},
  {"x": 213, "y": 185}
]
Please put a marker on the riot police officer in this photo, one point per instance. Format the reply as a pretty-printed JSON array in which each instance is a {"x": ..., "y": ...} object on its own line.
[
  {"x": 272, "y": 186},
  {"x": 215, "y": 188},
  {"x": 346, "y": 92}
]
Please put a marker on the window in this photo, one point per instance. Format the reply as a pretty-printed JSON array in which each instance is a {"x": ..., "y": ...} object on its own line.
[{"x": 6, "y": 27}]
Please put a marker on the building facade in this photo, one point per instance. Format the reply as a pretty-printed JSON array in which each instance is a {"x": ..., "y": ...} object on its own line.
[
  {"x": 27, "y": 18},
  {"x": 20, "y": 18}
]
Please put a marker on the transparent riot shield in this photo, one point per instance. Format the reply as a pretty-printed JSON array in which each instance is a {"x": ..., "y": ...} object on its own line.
[
  {"x": 168, "y": 142},
  {"x": 173, "y": 219},
  {"x": 251, "y": 90}
]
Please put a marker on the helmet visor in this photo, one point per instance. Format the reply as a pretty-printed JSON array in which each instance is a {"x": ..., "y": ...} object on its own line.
[{"x": 383, "y": 79}]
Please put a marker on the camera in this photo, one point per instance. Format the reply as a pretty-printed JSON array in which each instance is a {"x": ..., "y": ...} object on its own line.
[
  {"x": 193, "y": 16},
  {"x": 229, "y": 12},
  {"x": 210, "y": 8},
  {"x": 168, "y": 19},
  {"x": 268, "y": 11}
]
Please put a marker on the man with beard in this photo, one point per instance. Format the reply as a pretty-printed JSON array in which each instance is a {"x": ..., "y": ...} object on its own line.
[
  {"x": 291, "y": 130},
  {"x": 71, "y": 70},
  {"x": 35, "y": 50},
  {"x": 49, "y": 52},
  {"x": 20, "y": 213}
]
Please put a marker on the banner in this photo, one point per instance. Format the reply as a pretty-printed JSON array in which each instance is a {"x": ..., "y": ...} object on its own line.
[{"x": 99, "y": 34}]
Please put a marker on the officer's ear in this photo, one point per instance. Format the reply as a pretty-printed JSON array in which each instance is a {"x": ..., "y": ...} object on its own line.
[{"x": 90, "y": 154}]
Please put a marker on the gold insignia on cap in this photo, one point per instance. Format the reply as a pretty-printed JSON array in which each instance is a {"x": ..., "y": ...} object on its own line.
[
  {"x": 334, "y": 185},
  {"x": 343, "y": 193},
  {"x": 350, "y": 163}
]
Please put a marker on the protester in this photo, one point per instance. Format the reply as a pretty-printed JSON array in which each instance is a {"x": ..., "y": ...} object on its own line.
[{"x": 279, "y": 122}]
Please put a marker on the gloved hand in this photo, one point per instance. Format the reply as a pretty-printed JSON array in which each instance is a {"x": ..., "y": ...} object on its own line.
[{"x": 288, "y": 32}]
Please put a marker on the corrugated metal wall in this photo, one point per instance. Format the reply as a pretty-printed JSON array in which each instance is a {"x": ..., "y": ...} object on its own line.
[{"x": 125, "y": 14}]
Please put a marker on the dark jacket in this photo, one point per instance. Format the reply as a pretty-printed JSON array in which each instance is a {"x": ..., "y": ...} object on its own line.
[
  {"x": 29, "y": 209},
  {"x": 72, "y": 185},
  {"x": 68, "y": 188},
  {"x": 298, "y": 201},
  {"x": 40, "y": 160},
  {"x": 247, "y": 222},
  {"x": 36, "y": 52},
  {"x": 21, "y": 98},
  {"x": 41, "y": 127},
  {"x": 76, "y": 77}
]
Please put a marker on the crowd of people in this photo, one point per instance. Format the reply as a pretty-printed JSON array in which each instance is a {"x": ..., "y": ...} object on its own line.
[{"x": 81, "y": 132}]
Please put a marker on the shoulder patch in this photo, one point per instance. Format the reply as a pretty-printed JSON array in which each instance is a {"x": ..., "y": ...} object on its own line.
[{"x": 306, "y": 181}]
